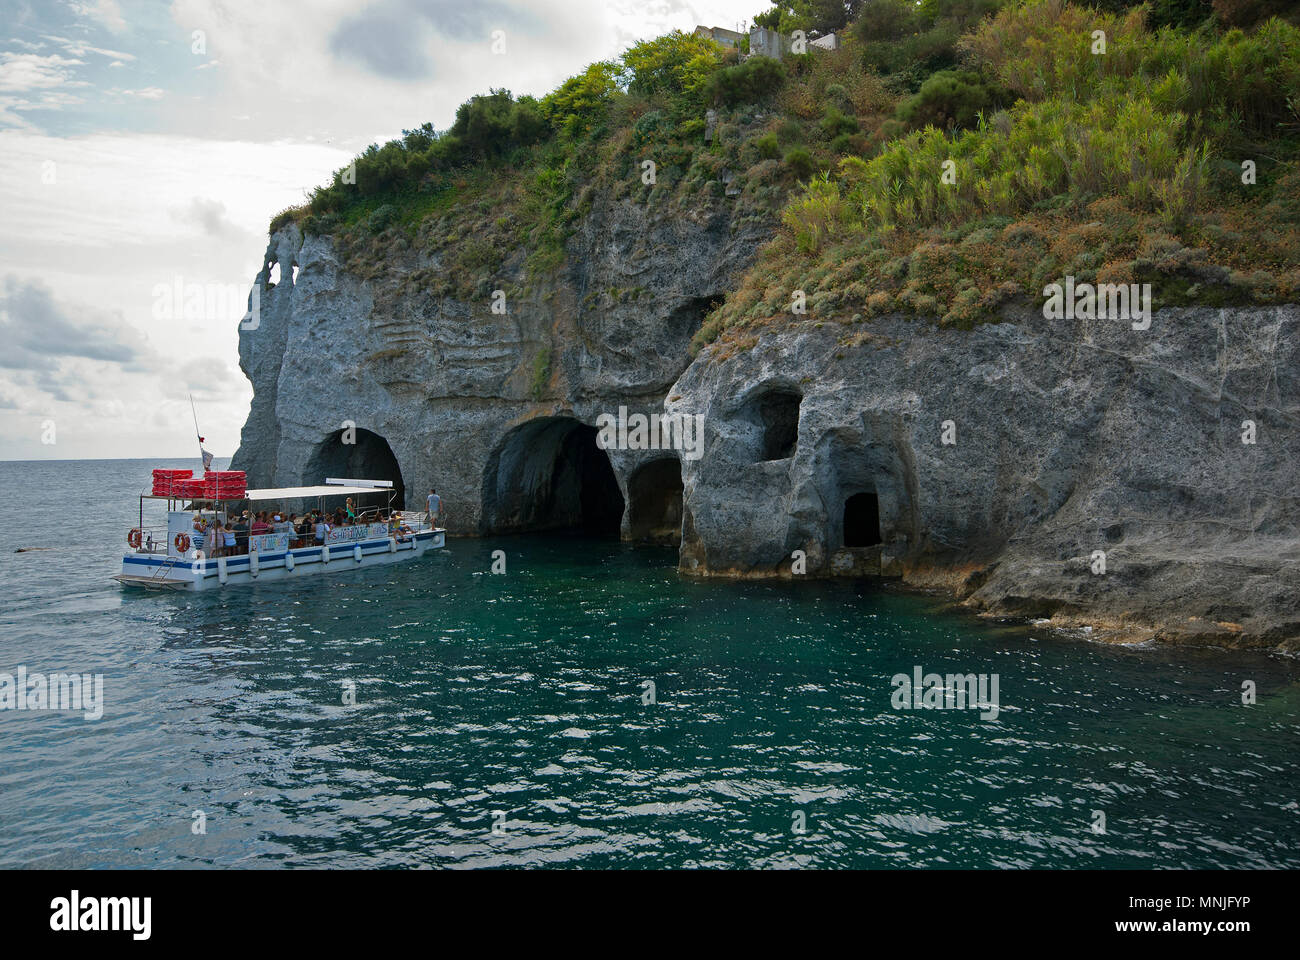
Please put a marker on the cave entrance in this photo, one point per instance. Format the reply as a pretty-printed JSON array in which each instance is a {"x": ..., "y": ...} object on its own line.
[
  {"x": 548, "y": 474},
  {"x": 776, "y": 414},
  {"x": 862, "y": 520},
  {"x": 655, "y": 502},
  {"x": 368, "y": 458}
]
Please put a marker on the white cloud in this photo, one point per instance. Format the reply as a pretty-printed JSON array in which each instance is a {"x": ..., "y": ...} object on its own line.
[
  {"x": 24, "y": 72},
  {"x": 105, "y": 12},
  {"x": 111, "y": 189},
  {"x": 38, "y": 331},
  {"x": 125, "y": 215},
  {"x": 79, "y": 48},
  {"x": 207, "y": 213},
  {"x": 128, "y": 211}
]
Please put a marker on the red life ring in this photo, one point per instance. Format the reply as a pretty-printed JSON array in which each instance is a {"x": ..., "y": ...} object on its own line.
[
  {"x": 182, "y": 542},
  {"x": 133, "y": 538}
]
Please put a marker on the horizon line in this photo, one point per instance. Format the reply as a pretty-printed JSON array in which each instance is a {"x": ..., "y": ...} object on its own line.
[{"x": 75, "y": 459}]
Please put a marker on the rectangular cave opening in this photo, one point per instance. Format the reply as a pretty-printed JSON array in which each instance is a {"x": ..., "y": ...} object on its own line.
[
  {"x": 862, "y": 520},
  {"x": 779, "y": 413}
]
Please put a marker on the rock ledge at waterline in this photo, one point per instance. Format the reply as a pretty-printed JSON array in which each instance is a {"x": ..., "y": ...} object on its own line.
[{"x": 1072, "y": 437}]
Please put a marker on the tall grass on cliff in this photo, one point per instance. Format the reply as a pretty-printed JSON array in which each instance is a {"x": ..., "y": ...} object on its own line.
[
  {"x": 1125, "y": 166},
  {"x": 1119, "y": 144}
]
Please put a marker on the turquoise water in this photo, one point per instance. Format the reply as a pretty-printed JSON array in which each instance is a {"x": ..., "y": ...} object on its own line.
[{"x": 522, "y": 693}]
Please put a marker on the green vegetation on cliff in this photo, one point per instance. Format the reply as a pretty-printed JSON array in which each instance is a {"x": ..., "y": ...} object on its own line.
[
  {"x": 1126, "y": 155},
  {"x": 951, "y": 156},
  {"x": 512, "y": 176}
]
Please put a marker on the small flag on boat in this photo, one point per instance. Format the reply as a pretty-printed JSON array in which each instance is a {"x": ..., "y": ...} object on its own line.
[{"x": 207, "y": 459}]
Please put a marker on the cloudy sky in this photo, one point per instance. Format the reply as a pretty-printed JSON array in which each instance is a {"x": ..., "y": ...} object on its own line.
[{"x": 145, "y": 143}]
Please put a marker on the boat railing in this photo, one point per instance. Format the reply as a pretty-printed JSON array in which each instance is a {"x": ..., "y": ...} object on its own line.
[
  {"x": 153, "y": 540},
  {"x": 415, "y": 519}
]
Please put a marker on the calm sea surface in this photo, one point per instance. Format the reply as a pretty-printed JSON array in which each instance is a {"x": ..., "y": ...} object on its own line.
[{"x": 517, "y": 700}]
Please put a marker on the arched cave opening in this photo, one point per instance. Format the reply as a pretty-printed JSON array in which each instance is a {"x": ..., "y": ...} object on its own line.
[
  {"x": 655, "y": 502},
  {"x": 549, "y": 474},
  {"x": 862, "y": 520},
  {"x": 778, "y": 412},
  {"x": 368, "y": 458}
]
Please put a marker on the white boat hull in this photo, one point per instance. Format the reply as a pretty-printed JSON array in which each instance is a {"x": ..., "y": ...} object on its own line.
[{"x": 172, "y": 573}]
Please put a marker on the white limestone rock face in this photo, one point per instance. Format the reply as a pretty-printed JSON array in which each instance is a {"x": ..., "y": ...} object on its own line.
[
  {"x": 1077, "y": 444},
  {"x": 452, "y": 387}
]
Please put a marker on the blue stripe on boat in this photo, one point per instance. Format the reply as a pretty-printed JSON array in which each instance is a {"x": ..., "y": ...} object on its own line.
[{"x": 368, "y": 548}]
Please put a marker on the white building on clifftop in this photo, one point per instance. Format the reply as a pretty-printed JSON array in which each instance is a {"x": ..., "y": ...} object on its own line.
[{"x": 764, "y": 41}]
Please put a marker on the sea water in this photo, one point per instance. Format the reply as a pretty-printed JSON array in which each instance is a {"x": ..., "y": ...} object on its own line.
[{"x": 592, "y": 707}]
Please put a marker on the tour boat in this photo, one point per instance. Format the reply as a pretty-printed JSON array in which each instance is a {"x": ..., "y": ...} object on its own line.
[{"x": 166, "y": 558}]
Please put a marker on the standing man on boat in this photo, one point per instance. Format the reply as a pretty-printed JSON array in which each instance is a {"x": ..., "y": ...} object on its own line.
[{"x": 434, "y": 504}]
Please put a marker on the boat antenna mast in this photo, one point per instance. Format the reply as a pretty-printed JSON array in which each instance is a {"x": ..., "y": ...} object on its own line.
[{"x": 204, "y": 457}]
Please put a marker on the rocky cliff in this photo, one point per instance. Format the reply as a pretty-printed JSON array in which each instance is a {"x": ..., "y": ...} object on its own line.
[
  {"x": 495, "y": 409},
  {"x": 463, "y": 309},
  {"x": 1144, "y": 483}
]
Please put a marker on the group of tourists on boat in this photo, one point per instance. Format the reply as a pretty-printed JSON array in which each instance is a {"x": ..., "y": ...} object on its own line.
[{"x": 228, "y": 537}]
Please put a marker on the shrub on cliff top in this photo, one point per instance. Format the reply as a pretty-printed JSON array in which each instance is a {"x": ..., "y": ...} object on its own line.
[
  {"x": 488, "y": 127},
  {"x": 952, "y": 99},
  {"x": 800, "y": 162},
  {"x": 677, "y": 64},
  {"x": 749, "y": 82},
  {"x": 822, "y": 16},
  {"x": 284, "y": 218},
  {"x": 912, "y": 40},
  {"x": 580, "y": 103}
]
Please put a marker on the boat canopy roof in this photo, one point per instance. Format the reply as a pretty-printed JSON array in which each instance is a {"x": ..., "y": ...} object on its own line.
[
  {"x": 326, "y": 490},
  {"x": 331, "y": 488}
]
